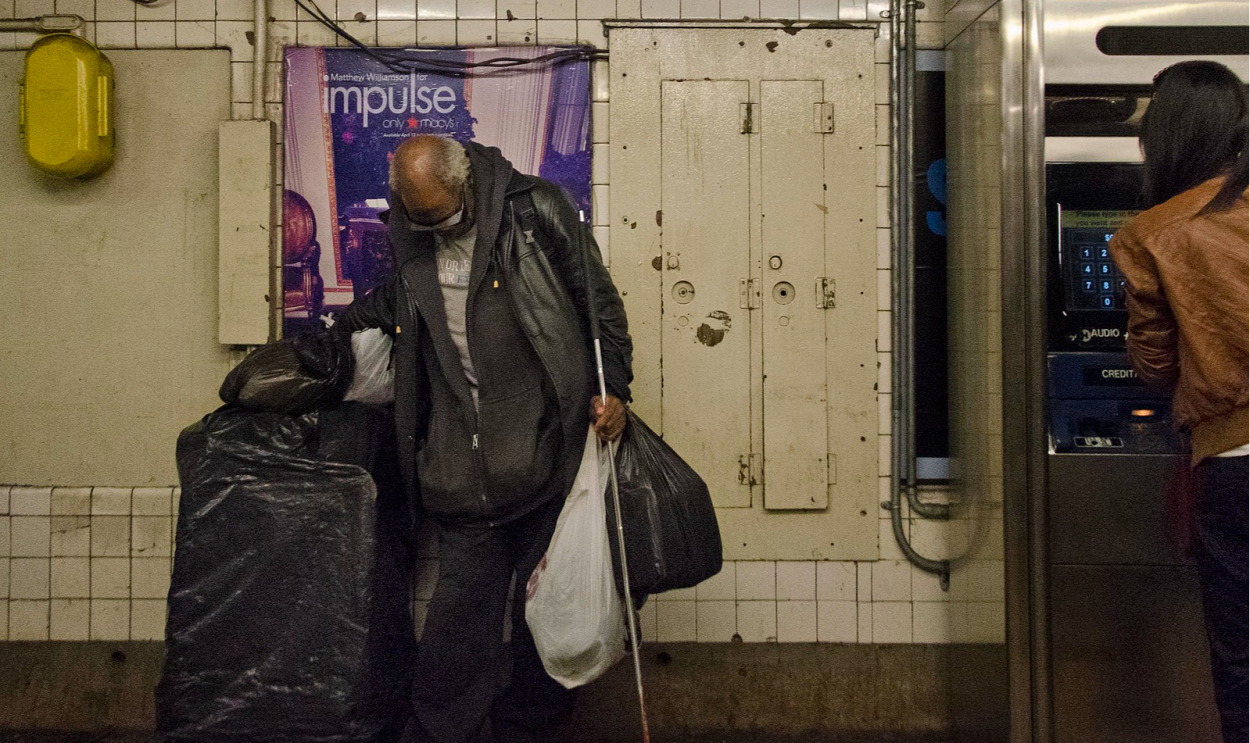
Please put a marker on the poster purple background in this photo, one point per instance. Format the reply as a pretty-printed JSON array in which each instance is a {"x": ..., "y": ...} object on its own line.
[{"x": 345, "y": 115}]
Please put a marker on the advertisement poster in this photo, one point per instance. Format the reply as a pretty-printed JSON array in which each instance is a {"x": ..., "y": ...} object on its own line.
[{"x": 347, "y": 112}]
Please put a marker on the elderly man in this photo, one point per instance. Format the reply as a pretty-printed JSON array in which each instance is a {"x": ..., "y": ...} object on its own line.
[{"x": 493, "y": 395}]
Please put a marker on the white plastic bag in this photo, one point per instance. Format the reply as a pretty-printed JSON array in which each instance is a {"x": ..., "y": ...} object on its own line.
[
  {"x": 571, "y": 603},
  {"x": 373, "y": 381}
]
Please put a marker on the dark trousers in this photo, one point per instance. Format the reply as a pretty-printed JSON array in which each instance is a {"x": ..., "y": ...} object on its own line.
[
  {"x": 1222, "y": 564},
  {"x": 464, "y": 674}
]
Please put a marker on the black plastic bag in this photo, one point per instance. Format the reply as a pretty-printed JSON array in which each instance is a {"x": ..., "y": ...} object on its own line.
[
  {"x": 293, "y": 375},
  {"x": 288, "y": 608},
  {"x": 671, "y": 536}
]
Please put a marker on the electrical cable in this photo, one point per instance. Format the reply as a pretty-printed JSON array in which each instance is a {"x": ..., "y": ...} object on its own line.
[{"x": 407, "y": 62}]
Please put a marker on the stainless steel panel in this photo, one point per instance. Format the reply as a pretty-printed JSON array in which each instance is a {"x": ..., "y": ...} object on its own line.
[
  {"x": 1110, "y": 509},
  {"x": 1130, "y": 656},
  {"x": 1072, "y": 55}
]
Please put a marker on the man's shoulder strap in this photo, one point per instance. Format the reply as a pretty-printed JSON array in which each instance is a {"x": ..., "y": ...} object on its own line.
[{"x": 527, "y": 213}]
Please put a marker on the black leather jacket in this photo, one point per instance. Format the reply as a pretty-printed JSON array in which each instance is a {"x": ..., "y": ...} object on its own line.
[{"x": 547, "y": 281}]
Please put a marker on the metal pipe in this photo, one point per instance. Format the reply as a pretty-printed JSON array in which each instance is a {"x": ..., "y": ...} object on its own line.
[{"x": 44, "y": 24}]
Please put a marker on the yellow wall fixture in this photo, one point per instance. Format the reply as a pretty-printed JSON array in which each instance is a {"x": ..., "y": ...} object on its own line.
[{"x": 66, "y": 109}]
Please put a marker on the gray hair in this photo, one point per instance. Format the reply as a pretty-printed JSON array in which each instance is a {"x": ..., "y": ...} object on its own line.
[{"x": 450, "y": 165}]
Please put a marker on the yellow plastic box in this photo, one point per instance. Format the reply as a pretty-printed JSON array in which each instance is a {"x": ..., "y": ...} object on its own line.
[{"x": 66, "y": 107}]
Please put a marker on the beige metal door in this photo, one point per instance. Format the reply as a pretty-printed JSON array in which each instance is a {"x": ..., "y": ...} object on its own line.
[
  {"x": 792, "y": 177},
  {"x": 706, "y": 341}
]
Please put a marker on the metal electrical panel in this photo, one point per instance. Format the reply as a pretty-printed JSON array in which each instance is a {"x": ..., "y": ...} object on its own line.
[
  {"x": 705, "y": 166},
  {"x": 743, "y": 221},
  {"x": 245, "y": 211}
]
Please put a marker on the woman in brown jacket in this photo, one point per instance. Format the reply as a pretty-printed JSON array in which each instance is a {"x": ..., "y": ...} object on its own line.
[{"x": 1185, "y": 261}]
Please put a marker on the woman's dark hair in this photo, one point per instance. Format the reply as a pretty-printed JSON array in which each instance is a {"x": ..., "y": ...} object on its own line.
[{"x": 1195, "y": 130}]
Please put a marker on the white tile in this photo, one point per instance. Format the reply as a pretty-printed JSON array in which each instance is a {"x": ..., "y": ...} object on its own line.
[
  {"x": 6, "y": 539},
  {"x": 836, "y": 621},
  {"x": 30, "y": 536},
  {"x": 931, "y": 622},
  {"x": 853, "y": 10},
  {"x": 883, "y": 260},
  {"x": 475, "y": 33},
  {"x": 150, "y": 536},
  {"x": 796, "y": 621},
  {"x": 147, "y": 620},
  {"x": 236, "y": 10},
  {"x": 863, "y": 611},
  {"x": 835, "y": 581},
  {"x": 439, "y": 10},
  {"x": 8, "y": 42},
  {"x": 71, "y": 536},
  {"x": 675, "y": 621},
  {"x": 283, "y": 34},
  {"x": 71, "y": 502},
  {"x": 4, "y": 489},
  {"x": 891, "y": 622},
  {"x": 4, "y": 578},
  {"x": 110, "y": 620},
  {"x": 757, "y": 621},
  {"x": 154, "y": 34},
  {"x": 70, "y": 619},
  {"x": 647, "y": 622},
  {"x": 482, "y": 10},
  {"x": 985, "y": 622},
  {"x": 556, "y": 10},
  {"x": 592, "y": 33},
  {"x": 557, "y": 31},
  {"x": 349, "y": 10},
  {"x": 115, "y": 35},
  {"x": 863, "y": 581},
  {"x": 662, "y": 8},
  {"x": 735, "y": 10},
  {"x": 599, "y": 164},
  {"x": 700, "y": 8},
  {"x": 71, "y": 578},
  {"x": 720, "y": 587},
  {"x": 517, "y": 32},
  {"x": 796, "y": 580},
  {"x": 25, "y": 40},
  {"x": 149, "y": 577},
  {"x": 150, "y": 501},
  {"x": 30, "y": 501},
  {"x": 595, "y": 9},
  {"x": 818, "y": 10},
  {"x": 4, "y": 613},
  {"x": 982, "y": 580},
  {"x": 110, "y": 536},
  {"x": 629, "y": 8},
  {"x": 516, "y": 9},
  {"x": 110, "y": 578},
  {"x": 680, "y": 594},
  {"x": 241, "y": 82},
  {"x": 28, "y": 620},
  {"x": 600, "y": 77},
  {"x": 599, "y": 122},
  {"x": 234, "y": 35},
  {"x": 111, "y": 10},
  {"x": 397, "y": 33},
  {"x": 110, "y": 501},
  {"x": 195, "y": 34},
  {"x": 883, "y": 120},
  {"x": 717, "y": 621},
  {"x": 28, "y": 578},
  {"x": 435, "y": 33},
  {"x": 311, "y": 33},
  {"x": 32, "y": 8},
  {"x": 195, "y": 10},
  {"x": 163, "y": 10},
  {"x": 756, "y": 580},
  {"x": 887, "y": 544},
  {"x": 891, "y": 580},
  {"x": 779, "y": 8},
  {"x": 927, "y": 587}
]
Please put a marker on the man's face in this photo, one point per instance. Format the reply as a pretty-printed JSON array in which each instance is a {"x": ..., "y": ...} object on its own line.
[{"x": 430, "y": 205}]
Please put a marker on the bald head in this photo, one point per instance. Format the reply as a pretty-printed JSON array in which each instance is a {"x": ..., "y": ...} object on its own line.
[{"x": 429, "y": 174}]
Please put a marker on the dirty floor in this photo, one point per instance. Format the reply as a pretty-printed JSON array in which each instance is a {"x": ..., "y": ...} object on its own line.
[{"x": 18, "y": 736}]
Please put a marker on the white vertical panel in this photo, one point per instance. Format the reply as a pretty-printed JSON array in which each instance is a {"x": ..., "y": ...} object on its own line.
[
  {"x": 705, "y": 243},
  {"x": 792, "y": 172},
  {"x": 245, "y": 221}
]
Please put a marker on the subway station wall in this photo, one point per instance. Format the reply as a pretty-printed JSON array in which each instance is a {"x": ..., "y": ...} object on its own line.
[{"x": 82, "y": 554}]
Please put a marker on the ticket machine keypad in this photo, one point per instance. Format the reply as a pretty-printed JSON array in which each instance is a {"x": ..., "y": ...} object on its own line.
[{"x": 1095, "y": 282}]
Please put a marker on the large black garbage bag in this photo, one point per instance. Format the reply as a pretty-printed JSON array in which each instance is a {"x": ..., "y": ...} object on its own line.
[
  {"x": 288, "y": 609},
  {"x": 294, "y": 375},
  {"x": 671, "y": 536}
]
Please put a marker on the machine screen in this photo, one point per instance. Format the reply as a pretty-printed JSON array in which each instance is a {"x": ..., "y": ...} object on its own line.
[{"x": 1091, "y": 279}]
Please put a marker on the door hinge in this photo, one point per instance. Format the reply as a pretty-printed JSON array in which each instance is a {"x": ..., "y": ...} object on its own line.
[
  {"x": 750, "y": 470},
  {"x": 822, "y": 119},
  {"x": 747, "y": 114},
  {"x": 748, "y": 294},
  {"x": 825, "y": 293}
]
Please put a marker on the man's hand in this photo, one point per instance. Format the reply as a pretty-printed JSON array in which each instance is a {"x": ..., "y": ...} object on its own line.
[{"x": 608, "y": 417}]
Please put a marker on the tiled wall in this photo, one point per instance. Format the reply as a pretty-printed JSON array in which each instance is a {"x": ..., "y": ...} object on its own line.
[{"x": 93, "y": 563}]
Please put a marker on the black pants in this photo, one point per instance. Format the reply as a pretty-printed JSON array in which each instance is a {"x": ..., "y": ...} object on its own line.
[
  {"x": 1222, "y": 564},
  {"x": 463, "y": 674}
]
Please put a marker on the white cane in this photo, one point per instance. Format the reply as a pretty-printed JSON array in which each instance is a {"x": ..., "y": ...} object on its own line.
[{"x": 593, "y": 313}]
